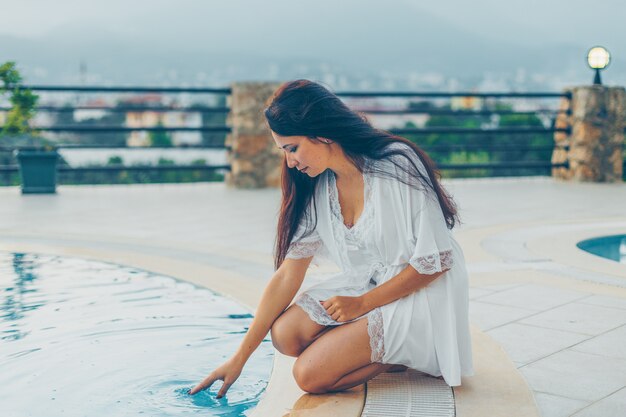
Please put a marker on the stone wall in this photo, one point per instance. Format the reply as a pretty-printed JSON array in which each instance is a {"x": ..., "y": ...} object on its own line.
[
  {"x": 255, "y": 160},
  {"x": 596, "y": 122}
]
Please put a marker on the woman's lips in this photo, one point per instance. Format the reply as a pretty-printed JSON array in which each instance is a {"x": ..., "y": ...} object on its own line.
[{"x": 304, "y": 170}]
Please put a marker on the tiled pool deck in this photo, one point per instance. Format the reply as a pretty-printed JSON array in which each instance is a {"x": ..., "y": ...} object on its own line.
[{"x": 558, "y": 313}]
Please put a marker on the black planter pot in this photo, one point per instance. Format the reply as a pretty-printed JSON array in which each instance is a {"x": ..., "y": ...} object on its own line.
[{"x": 38, "y": 169}]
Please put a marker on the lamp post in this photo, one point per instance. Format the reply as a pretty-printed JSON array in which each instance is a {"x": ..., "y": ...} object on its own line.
[{"x": 598, "y": 59}]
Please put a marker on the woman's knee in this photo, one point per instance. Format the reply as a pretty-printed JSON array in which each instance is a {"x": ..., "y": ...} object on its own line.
[
  {"x": 285, "y": 338},
  {"x": 308, "y": 378}
]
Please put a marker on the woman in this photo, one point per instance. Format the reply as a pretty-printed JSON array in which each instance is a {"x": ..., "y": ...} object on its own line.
[{"x": 372, "y": 203}]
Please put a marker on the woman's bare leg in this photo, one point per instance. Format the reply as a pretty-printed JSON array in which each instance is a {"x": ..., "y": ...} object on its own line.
[
  {"x": 359, "y": 376},
  {"x": 293, "y": 331},
  {"x": 364, "y": 374},
  {"x": 338, "y": 359}
]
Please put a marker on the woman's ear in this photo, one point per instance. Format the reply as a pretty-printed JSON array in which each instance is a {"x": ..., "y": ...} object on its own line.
[{"x": 321, "y": 139}]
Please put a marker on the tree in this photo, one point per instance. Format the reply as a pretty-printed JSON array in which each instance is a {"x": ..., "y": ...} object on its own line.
[
  {"x": 428, "y": 142},
  {"x": 16, "y": 129},
  {"x": 535, "y": 139},
  {"x": 160, "y": 137},
  {"x": 23, "y": 101}
]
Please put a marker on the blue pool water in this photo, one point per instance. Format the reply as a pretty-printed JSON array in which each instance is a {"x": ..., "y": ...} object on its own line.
[
  {"x": 85, "y": 338},
  {"x": 610, "y": 247}
]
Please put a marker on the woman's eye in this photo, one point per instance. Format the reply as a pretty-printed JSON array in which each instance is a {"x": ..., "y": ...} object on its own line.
[{"x": 292, "y": 150}]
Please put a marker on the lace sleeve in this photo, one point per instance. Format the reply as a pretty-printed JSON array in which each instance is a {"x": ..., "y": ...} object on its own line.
[
  {"x": 299, "y": 250},
  {"x": 306, "y": 242},
  {"x": 430, "y": 264}
]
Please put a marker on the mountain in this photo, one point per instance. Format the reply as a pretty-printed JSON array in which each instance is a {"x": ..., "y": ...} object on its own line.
[{"x": 209, "y": 45}]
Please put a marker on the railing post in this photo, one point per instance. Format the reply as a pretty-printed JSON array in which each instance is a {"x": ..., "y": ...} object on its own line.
[
  {"x": 253, "y": 155},
  {"x": 596, "y": 121}
]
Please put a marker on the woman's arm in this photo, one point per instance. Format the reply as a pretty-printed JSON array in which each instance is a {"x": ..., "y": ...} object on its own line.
[
  {"x": 406, "y": 282},
  {"x": 277, "y": 295}
]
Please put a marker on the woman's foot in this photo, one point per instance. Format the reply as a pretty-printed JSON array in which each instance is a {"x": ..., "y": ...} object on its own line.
[{"x": 396, "y": 368}]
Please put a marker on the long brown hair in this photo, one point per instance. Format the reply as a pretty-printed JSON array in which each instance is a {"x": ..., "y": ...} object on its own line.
[{"x": 305, "y": 108}]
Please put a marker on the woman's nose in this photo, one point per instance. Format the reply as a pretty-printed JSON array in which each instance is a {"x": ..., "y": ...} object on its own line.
[{"x": 291, "y": 162}]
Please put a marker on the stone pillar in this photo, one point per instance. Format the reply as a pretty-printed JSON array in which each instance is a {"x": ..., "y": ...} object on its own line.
[
  {"x": 596, "y": 121},
  {"x": 253, "y": 155}
]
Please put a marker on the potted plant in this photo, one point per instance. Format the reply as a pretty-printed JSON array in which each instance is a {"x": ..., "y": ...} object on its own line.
[{"x": 37, "y": 158}]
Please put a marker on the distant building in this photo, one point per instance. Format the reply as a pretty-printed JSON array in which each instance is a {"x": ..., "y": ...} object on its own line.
[
  {"x": 150, "y": 118},
  {"x": 142, "y": 117},
  {"x": 387, "y": 121},
  {"x": 186, "y": 119},
  {"x": 92, "y": 109},
  {"x": 466, "y": 103}
]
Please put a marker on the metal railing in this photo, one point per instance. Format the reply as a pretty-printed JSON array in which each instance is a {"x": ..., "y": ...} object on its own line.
[
  {"x": 123, "y": 129},
  {"x": 440, "y": 94},
  {"x": 128, "y": 108},
  {"x": 472, "y": 133},
  {"x": 419, "y": 108},
  {"x": 121, "y": 109}
]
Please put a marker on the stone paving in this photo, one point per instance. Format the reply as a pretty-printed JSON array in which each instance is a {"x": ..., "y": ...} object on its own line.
[{"x": 559, "y": 313}]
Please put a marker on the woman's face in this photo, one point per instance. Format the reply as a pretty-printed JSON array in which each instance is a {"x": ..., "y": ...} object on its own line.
[{"x": 309, "y": 156}]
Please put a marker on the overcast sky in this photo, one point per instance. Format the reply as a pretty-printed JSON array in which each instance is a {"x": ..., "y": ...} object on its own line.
[
  {"x": 527, "y": 22},
  {"x": 332, "y": 29}
]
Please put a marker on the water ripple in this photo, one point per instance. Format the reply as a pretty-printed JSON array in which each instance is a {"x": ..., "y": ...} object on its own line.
[{"x": 72, "y": 338}]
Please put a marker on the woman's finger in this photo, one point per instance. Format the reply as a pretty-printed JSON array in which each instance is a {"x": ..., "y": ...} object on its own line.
[
  {"x": 206, "y": 383},
  {"x": 223, "y": 390},
  {"x": 330, "y": 301}
]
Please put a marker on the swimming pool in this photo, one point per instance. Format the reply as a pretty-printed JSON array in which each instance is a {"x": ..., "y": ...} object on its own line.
[
  {"x": 610, "y": 247},
  {"x": 86, "y": 338}
]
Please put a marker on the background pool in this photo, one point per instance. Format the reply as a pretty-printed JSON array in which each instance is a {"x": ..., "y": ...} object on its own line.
[
  {"x": 610, "y": 247},
  {"x": 85, "y": 338}
]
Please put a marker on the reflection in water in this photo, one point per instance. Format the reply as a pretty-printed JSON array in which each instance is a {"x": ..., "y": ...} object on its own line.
[
  {"x": 15, "y": 297},
  {"x": 89, "y": 338}
]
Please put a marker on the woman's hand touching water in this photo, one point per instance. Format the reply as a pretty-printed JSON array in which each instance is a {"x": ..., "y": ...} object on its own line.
[
  {"x": 275, "y": 299},
  {"x": 227, "y": 372},
  {"x": 345, "y": 308}
]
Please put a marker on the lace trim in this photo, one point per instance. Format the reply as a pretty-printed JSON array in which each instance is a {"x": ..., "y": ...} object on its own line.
[
  {"x": 376, "y": 334},
  {"x": 337, "y": 226},
  {"x": 356, "y": 233},
  {"x": 299, "y": 250},
  {"x": 433, "y": 263},
  {"x": 315, "y": 310}
]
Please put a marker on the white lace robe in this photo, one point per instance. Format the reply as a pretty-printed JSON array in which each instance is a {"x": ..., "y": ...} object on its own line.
[{"x": 400, "y": 225}]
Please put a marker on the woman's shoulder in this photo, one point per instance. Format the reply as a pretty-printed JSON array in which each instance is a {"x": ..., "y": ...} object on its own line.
[
  {"x": 401, "y": 163},
  {"x": 400, "y": 155},
  {"x": 399, "y": 145}
]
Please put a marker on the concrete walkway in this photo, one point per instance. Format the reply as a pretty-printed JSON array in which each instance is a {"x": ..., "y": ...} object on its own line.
[{"x": 544, "y": 312}]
